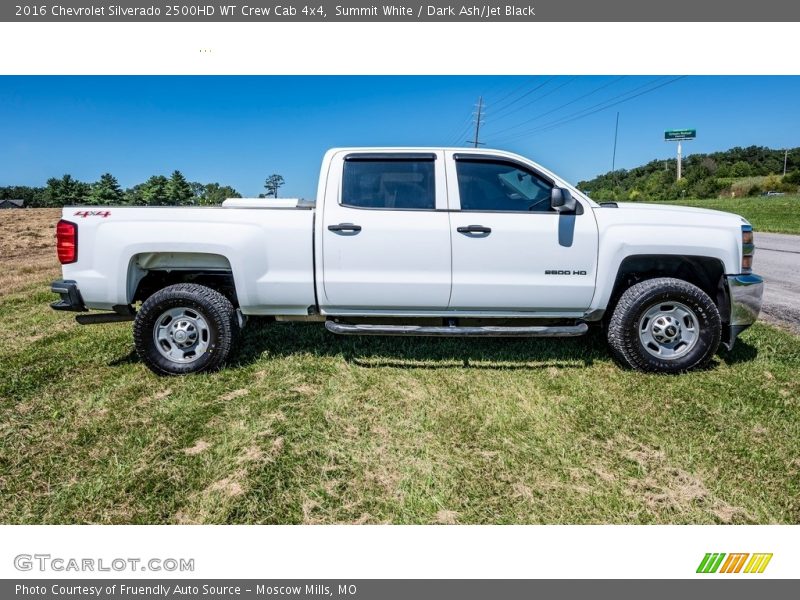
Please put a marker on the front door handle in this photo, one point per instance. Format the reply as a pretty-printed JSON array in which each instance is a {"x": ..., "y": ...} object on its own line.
[
  {"x": 345, "y": 227},
  {"x": 474, "y": 229}
]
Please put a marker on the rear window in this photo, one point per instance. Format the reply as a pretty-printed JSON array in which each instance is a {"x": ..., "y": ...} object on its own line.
[{"x": 389, "y": 184}]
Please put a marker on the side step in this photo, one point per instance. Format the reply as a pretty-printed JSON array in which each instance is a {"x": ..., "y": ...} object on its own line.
[
  {"x": 445, "y": 331},
  {"x": 105, "y": 317}
]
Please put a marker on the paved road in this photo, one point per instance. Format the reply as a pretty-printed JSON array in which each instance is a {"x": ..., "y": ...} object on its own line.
[{"x": 777, "y": 260}]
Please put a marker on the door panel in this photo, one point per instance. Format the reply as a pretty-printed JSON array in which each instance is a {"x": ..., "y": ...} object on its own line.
[
  {"x": 535, "y": 260},
  {"x": 400, "y": 257}
]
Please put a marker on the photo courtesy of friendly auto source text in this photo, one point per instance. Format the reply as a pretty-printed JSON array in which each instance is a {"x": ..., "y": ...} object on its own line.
[{"x": 267, "y": 288}]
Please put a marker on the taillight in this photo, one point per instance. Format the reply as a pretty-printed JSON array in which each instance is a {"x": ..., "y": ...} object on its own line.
[
  {"x": 67, "y": 242},
  {"x": 748, "y": 248}
]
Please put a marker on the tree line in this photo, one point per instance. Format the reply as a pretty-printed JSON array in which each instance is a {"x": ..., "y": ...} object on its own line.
[
  {"x": 158, "y": 190},
  {"x": 731, "y": 173}
]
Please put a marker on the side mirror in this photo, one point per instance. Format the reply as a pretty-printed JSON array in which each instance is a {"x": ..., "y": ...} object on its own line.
[{"x": 562, "y": 201}]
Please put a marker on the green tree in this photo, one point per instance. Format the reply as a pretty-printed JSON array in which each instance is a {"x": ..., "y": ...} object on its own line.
[
  {"x": 133, "y": 195},
  {"x": 793, "y": 177},
  {"x": 179, "y": 191},
  {"x": 33, "y": 196},
  {"x": 272, "y": 184},
  {"x": 154, "y": 191},
  {"x": 215, "y": 194},
  {"x": 105, "y": 191},
  {"x": 64, "y": 191},
  {"x": 741, "y": 169}
]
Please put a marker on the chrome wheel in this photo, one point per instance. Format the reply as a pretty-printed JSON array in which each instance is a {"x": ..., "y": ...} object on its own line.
[
  {"x": 669, "y": 330},
  {"x": 181, "y": 334}
]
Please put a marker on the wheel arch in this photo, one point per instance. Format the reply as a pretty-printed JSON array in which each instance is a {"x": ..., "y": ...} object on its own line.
[
  {"x": 149, "y": 272},
  {"x": 707, "y": 273}
]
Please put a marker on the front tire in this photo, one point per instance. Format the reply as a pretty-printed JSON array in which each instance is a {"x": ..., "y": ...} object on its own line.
[
  {"x": 185, "y": 328},
  {"x": 664, "y": 325}
]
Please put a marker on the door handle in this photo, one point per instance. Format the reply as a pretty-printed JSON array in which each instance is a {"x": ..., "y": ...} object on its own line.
[
  {"x": 474, "y": 229},
  {"x": 345, "y": 227}
]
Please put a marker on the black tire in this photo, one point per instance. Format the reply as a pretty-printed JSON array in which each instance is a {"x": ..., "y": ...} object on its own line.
[
  {"x": 664, "y": 325},
  {"x": 198, "y": 310}
]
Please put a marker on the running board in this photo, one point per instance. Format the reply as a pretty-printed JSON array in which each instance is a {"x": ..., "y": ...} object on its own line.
[
  {"x": 109, "y": 317},
  {"x": 423, "y": 330}
]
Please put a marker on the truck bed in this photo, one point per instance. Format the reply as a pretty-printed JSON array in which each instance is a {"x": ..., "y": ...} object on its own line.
[{"x": 267, "y": 248}]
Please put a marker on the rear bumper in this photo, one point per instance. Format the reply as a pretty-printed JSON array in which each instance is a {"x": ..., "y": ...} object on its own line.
[
  {"x": 71, "y": 299},
  {"x": 746, "y": 292}
]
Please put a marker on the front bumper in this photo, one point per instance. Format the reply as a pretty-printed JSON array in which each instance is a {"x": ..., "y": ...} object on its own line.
[
  {"x": 70, "y": 296},
  {"x": 745, "y": 292}
]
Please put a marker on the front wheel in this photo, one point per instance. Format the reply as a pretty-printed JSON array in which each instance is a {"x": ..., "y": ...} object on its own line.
[
  {"x": 664, "y": 325},
  {"x": 185, "y": 328}
]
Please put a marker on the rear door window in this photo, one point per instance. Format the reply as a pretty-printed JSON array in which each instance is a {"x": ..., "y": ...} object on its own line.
[{"x": 393, "y": 184}]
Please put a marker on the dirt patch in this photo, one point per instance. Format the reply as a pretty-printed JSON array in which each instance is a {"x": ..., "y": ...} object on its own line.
[
  {"x": 234, "y": 394},
  {"x": 199, "y": 447},
  {"x": 230, "y": 486},
  {"x": 27, "y": 247},
  {"x": 604, "y": 475},
  {"x": 251, "y": 454},
  {"x": 305, "y": 390},
  {"x": 277, "y": 447},
  {"x": 447, "y": 517},
  {"x": 666, "y": 488},
  {"x": 522, "y": 491},
  {"x": 308, "y": 507}
]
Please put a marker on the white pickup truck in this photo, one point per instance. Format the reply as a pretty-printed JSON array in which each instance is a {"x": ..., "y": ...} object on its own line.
[{"x": 416, "y": 241}]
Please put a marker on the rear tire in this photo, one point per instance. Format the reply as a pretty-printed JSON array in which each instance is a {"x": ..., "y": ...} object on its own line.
[
  {"x": 185, "y": 328},
  {"x": 664, "y": 325}
]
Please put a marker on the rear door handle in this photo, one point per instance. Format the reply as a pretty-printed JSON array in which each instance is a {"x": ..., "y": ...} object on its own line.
[
  {"x": 345, "y": 227},
  {"x": 474, "y": 229}
]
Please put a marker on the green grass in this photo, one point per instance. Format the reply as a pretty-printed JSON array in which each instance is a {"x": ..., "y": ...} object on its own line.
[
  {"x": 305, "y": 427},
  {"x": 777, "y": 214}
]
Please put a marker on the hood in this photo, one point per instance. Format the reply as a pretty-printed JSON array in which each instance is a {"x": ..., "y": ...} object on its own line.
[{"x": 672, "y": 208}]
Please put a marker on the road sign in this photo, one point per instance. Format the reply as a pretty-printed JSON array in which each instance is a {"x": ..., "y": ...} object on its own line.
[{"x": 674, "y": 135}]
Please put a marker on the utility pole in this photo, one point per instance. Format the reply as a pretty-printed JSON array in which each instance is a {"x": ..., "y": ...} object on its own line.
[
  {"x": 785, "y": 158},
  {"x": 679, "y": 160},
  {"x": 475, "y": 142},
  {"x": 614, "y": 154}
]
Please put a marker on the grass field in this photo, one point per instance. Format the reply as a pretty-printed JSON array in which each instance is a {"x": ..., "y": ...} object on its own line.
[
  {"x": 305, "y": 427},
  {"x": 777, "y": 214}
]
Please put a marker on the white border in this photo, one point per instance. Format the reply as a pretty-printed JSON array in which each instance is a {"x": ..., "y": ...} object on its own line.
[
  {"x": 399, "y": 48},
  {"x": 372, "y": 552}
]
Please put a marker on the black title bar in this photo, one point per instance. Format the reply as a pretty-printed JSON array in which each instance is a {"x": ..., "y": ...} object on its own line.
[{"x": 403, "y": 10}]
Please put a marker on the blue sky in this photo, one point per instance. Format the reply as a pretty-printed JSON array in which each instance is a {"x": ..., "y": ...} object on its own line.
[{"x": 238, "y": 130}]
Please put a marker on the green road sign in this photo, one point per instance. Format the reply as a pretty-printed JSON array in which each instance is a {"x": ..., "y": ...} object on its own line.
[{"x": 673, "y": 135}]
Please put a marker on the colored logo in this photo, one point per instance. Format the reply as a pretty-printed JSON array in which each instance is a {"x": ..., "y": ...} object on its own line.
[{"x": 719, "y": 562}]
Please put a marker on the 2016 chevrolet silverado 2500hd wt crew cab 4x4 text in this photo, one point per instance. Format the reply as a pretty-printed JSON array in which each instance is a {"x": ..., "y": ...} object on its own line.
[{"x": 416, "y": 241}]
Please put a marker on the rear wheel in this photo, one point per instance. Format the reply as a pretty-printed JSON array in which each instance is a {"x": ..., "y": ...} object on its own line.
[
  {"x": 185, "y": 328},
  {"x": 664, "y": 325}
]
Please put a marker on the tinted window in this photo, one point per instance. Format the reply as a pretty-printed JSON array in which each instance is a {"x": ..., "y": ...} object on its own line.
[
  {"x": 389, "y": 184},
  {"x": 486, "y": 185}
]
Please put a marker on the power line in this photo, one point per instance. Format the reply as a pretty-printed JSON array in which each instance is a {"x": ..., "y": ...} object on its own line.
[
  {"x": 557, "y": 108},
  {"x": 460, "y": 131},
  {"x": 587, "y": 112},
  {"x": 598, "y": 104},
  {"x": 512, "y": 92},
  {"x": 525, "y": 95},
  {"x": 537, "y": 98},
  {"x": 499, "y": 104}
]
